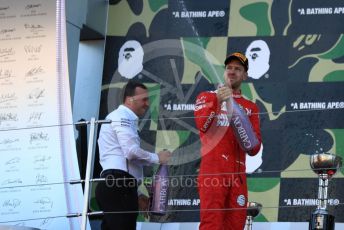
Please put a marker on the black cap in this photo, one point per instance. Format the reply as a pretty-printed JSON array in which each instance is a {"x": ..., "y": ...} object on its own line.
[{"x": 238, "y": 56}]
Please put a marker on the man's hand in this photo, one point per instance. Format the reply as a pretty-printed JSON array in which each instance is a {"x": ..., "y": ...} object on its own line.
[
  {"x": 144, "y": 205},
  {"x": 223, "y": 93},
  {"x": 164, "y": 156}
]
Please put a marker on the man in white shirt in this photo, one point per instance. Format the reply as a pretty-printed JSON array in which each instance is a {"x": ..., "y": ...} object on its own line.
[{"x": 122, "y": 160}]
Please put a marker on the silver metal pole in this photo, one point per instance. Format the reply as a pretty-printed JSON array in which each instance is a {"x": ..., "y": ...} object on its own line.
[
  {"x": 320, "y": 193},
  {"x": 325, "y": 192},
  {"x": 249, "y": 221},
  {"x": 89, "y": 172}
]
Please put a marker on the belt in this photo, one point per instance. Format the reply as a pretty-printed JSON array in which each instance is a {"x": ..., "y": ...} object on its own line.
[
  {"x": 120, "y": 175},
  {"x": 115, "y": 172}
]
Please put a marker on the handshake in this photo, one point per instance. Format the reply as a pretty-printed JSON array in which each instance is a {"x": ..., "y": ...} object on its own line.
[{"x": 164, "y": 156}]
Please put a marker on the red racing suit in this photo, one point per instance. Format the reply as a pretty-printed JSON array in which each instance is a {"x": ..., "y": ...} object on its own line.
[{"x": 222, "y": 180}]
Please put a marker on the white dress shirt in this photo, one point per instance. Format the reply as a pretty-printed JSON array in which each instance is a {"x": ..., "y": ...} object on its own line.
[{"x": 119, "y": 144}]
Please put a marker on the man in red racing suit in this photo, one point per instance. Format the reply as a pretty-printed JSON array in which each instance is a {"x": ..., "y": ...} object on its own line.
[{"x": 222, "y": 179}]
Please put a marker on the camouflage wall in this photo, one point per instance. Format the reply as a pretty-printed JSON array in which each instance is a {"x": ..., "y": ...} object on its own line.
[{"x": 296, "y": 57}]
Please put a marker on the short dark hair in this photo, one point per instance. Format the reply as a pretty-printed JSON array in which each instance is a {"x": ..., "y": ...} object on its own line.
[{"x": 129, "y": 89}]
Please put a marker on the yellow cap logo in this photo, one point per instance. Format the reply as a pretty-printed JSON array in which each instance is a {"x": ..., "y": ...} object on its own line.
[{"x": 240, "y": 55}]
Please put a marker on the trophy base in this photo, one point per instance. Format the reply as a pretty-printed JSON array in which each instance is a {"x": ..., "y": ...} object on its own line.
[{"x": 321, "y": 221}]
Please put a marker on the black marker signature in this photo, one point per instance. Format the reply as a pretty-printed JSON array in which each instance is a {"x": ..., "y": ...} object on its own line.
[
  {"x": 5, "y": 97},
  {"x": 30, "y": 6},
  {"x": 35, "y": 116},
  {"x": 11, "y": 204},
  {"x": 45, "y": 222},
  {"x": 5, "y": 73},
  {"x": 41, "y": 179},
  {"x": 36, "y": 93},
  {"x": 7, "y": 31},
  {"x": 44, "y": 201},
  {"x": 34, "y": 71},
  {"x": 12, "y": 181},
  {"x": 41, "y": 159},
  {"x": 12, "y": 161},
  {"x": 8, "y": 141},
  {"x": 8, "y": 117},
  {"x": 29, "y": 49},
  {"x": 4, "y": 8},
  {"x": 40, "y": 136},
  {"x": 6, "y": 52},
  {"x": 32, "y": 26}
]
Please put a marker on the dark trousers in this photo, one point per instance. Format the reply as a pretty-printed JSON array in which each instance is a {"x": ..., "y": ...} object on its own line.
[{"x": 117, "y": 197}]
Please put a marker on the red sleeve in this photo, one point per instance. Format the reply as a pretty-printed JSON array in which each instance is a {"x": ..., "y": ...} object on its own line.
[
  {"x": 206, "y": 108},
  {"x": 254, "y": 118}
]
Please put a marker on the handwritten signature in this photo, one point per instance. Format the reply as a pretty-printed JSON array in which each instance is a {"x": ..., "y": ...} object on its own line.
[
  {"x": 20, "y": 224},
  {"x": 44, "y": 201},
  {"x": 6, "y": 31},
  {"x": 5, "y": 97},
  {"x": 41, "y": 159},
  {"x": 46, "y": 221},
  {"x": 6, "y": 52},
  {"x": 4, "y": 8},
  {"x": 30, "y": 6},
  {"x": 34, "y": 71},
  {"x": 8, "y": 117},
  {"x": 41, "y": 179},
  {"x": 36, "y": 93},
  {"x": 8, "y": 141},
  {"x": 32, "y": 49},
  {"x": 35, "y": 116},
  {"x": 12, "y": 181},
  {"x": 12, "y": 161},
  {"x": 34, "y": 28},
  {"x": 11, "y": 203},
  {"x": 40, "y": 136},
  {"x": 6, "y": 73}
]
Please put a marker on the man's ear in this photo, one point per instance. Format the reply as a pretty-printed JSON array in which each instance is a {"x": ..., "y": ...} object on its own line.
[{"x": 129, "y": 100}]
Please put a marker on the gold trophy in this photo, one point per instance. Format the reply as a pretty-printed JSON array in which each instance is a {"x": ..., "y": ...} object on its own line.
[
  {"x": 325, "y": 165},
  {"x": 253, "y": 210}
]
